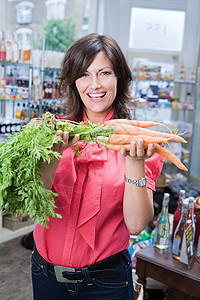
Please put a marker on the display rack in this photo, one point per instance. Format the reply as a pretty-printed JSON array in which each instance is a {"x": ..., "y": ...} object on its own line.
[
  {"x": 7, "y": 234},
  {"x": 28, "y": 101},
  {"x": 166, "y": 113}
]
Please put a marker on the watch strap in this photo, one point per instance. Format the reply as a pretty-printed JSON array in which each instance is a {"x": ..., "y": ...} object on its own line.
[{"x": 138, "y": 182}]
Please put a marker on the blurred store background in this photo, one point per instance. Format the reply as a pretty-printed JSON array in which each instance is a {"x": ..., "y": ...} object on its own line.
[{"x": 161, "y": 42}]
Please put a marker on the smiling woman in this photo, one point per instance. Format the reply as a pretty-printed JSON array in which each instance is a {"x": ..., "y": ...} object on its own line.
[{"x": 85, "y": 252}]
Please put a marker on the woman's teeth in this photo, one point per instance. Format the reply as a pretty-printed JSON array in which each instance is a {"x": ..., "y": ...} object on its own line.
[{"x": 100, "y": 95}]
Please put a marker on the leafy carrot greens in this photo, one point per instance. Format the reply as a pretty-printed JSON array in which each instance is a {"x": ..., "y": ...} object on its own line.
[{"x": 24, "y": 153}]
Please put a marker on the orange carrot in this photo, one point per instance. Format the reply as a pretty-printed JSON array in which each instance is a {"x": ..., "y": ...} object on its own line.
[
  {"x": 133, "y": 130},
  {"x": 158, "y": 149},
  {"x": 122, "y": 139},
  {"x": 117, "y": 147},
  {"x": 165, "y": 153},
  {"x": 143, "y": 124}
]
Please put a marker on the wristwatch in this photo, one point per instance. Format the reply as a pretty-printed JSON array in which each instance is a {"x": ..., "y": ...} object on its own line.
[{"x": 139, "y": 182}]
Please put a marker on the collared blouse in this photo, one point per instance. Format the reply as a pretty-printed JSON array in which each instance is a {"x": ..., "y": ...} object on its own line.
[{"x": 90, "y": 201}]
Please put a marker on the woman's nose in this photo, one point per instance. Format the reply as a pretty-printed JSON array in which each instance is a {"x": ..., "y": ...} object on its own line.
[{"x": 95, "y": 82}]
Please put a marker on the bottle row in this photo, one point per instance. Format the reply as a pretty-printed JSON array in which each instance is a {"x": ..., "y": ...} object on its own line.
[
  {"x": 23, "y": 110},
  {"x": 18, "y": 49},
  {"x": 52, "y": 59},
  {"x": 177, "y": 72},
  {"x": 20, "y": 91},
  {"x": 12, "y": 49},
  {"x": 186, "y": 215}
]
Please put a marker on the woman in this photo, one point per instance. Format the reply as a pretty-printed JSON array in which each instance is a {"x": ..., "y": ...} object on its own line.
[{"x": 84, "y": 255}]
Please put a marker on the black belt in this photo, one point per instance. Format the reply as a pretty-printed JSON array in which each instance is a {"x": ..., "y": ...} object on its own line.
[{"x": 101, "y": 269}]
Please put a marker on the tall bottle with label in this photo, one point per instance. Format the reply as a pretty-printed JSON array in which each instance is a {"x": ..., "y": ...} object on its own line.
[
  {"x": 8, "y": 44},
  {"x": 2, "y": 47},
  {"x": 15, "y": 49},
  {"x": 191, "y": 217},
  {"x": 24, "y": 112},
  {"x": 20, "y": 48},
  {"x": 26, "y": 50},
  {"x": 161, "y": 238},
  {"x": 197, "y": 221},
  {"x": 179, "y": 231},
  {"x": 177, "y": 213}
]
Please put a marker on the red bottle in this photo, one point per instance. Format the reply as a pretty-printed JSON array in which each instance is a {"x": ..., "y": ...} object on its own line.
[{"x": 177, "y": 213}]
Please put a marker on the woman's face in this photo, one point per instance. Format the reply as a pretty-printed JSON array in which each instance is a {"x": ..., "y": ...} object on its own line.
[{"x": 97, "y": 88}]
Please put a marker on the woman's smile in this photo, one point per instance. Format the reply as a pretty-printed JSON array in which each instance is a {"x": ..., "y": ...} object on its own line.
[{"x": 96, "y": 97}]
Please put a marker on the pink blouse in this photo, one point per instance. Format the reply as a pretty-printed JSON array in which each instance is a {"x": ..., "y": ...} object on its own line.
[{"x": 90, "y": 200}]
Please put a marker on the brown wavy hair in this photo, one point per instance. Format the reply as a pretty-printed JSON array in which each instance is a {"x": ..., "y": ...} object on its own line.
[{"x": 76, "y": 61}]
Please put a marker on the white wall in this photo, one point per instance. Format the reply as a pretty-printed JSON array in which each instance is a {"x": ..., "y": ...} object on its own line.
[
  {"x": 3, "y": 14},
  {"x": 114, "y": 19}
]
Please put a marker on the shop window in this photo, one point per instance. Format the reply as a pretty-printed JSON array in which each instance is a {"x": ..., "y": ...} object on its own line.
[
  {"x": 24, "y": 12},
  {"x": 55, "y": 9},
  {"x": 157, "y": 29}
]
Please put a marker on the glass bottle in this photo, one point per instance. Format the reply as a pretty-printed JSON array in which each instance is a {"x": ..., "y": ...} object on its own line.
[
  {"x": 177, "y": 213},
  {"x": 24, "y": 113},
  {"x": 197, "y": 228},
  {"x": 50, "y": 89},
  {"x": 3, "y": 86},
  {"x": 198, "y": 250},
  {"x": 20, "y": 48},
  {"x": 18, "y": 112},
  {"x": 45, "y": 90},
  {"x": 15, "y": 50},
  {"x": 2, "y": 47},
  {"x": 8, "y": 44},
  {"x": 32, "y": 114},
  {"x": 26, "y": 50},
  {"x": 179, "y": 231},
  {"x": 36, "y": 115},
  {"x": 161, "y": 238},
  {"x": 191, "y": 217},
  {"x": 54, "y": 91}
]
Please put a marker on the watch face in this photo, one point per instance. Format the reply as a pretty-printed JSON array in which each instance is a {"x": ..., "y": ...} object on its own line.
[{"x": 142, "y": 181}]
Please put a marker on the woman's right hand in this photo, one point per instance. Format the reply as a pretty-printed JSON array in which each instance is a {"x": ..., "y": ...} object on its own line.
[
  {"x": 60, "y": 147},
  {"x": 49, "y": 170}
]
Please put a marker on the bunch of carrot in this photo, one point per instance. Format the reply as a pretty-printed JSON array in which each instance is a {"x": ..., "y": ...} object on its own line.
[{"x": 127, "y": 131}]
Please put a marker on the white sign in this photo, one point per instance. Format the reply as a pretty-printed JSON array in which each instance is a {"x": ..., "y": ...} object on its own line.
[{"x": 156, "y": 29}]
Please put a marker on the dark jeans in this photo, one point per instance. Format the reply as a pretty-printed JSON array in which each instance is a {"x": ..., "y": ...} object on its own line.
[{"x": 120, "y": 287}]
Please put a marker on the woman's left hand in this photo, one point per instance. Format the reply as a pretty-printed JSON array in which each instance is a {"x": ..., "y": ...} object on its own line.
[{"x": 138, "y": 151}]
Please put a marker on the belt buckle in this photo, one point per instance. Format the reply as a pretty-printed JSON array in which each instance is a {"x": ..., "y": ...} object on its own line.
[{"x": 59, "y": 276}]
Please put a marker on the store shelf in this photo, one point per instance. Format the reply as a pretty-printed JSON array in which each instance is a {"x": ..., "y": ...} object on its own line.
[
  {"x": 185, "y": 82},
  {"x": 10, "y": 63}
]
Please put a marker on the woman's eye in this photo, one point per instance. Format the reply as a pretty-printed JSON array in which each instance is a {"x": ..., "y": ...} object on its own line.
[
  {"x": 105, "y": 73},
  {"x": 84, "y": 75}
]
